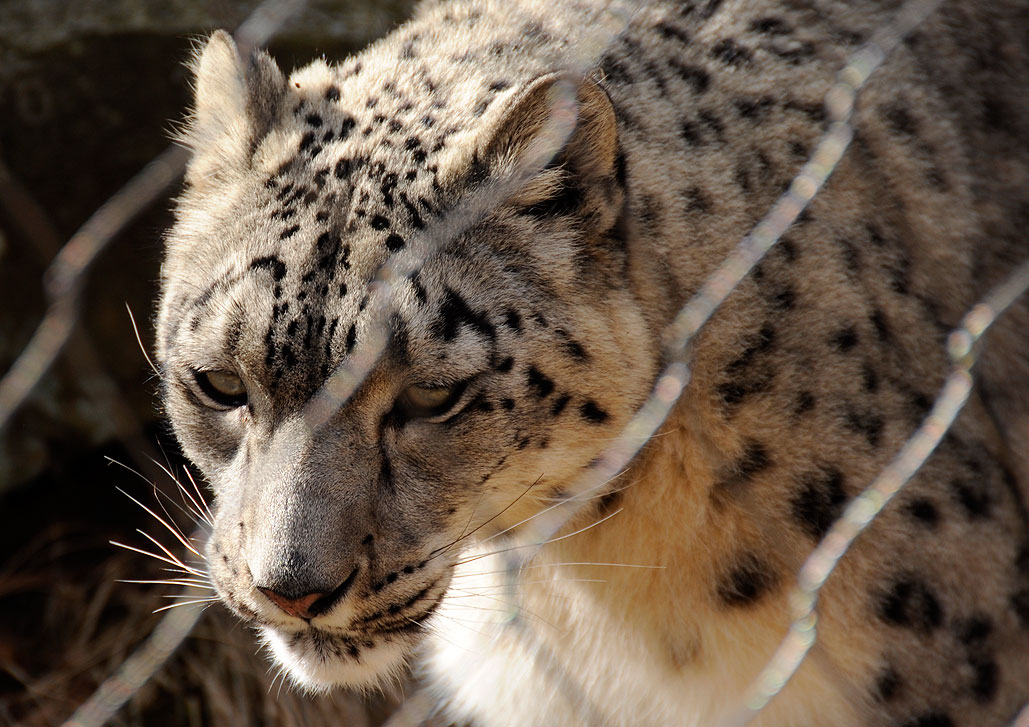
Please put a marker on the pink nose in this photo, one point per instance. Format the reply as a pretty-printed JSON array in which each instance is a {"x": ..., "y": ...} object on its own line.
[
  {"x": 309, "y": 605},
  {"x": 301, "y": 607}
]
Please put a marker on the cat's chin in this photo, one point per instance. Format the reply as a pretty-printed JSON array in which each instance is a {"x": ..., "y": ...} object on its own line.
[{"x": 318, "y": 661}]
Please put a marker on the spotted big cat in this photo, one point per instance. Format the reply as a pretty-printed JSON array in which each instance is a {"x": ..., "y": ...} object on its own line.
[{"x": 363, "y": 535}]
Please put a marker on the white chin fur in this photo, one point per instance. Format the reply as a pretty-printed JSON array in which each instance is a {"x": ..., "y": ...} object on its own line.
[{"x": 320, "y": 669}]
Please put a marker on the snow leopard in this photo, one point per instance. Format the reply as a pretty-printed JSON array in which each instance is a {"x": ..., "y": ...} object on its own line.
[{"x": 370, "y": 541}]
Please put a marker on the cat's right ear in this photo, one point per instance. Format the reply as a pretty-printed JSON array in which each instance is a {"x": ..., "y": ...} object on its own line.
[{"x": 235, "y": 105}]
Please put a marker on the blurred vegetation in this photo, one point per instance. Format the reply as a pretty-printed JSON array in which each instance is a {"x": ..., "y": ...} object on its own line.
[{"x": 88, "y": 93}]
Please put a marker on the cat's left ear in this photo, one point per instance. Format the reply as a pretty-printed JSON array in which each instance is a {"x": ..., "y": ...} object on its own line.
[{"x": 236, "y": 103}]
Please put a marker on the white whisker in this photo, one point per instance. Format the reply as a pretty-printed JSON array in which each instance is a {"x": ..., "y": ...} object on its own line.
[
  {"x": 171, "y": 529},
  {"x": 139, "y": 340},
  {"x": 206, "y": 601},
  {"x": 191, "y": 571},
  {"x": 579, "y": 496},
  {"x": 170, "y": 582},
  {"x": 534, "y": 545}
]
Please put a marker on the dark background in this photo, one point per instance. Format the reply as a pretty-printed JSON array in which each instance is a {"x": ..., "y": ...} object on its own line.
[{"x": 89, "y": 92}]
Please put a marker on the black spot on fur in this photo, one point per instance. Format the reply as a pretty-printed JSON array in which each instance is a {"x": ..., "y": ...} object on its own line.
[
  {"x": 784, "y": 299},
  {"x": 910, "y": 603},
  {"x": 271, "y": 263},
  {"x": 346, "y": 127},
  {"x": 513, "y": 320},
  {"x": 342, "y": 169},
  {"x": 973, "y": 496},
  {"x": 845, "y": 339},
  {"x": 332, "y": 94},
  {"x": 1020, "y": 605},
  {"x": 818, "y": 501},
  {"x": 541, "y": 385},
  {"x": 754, "y": 108},
  {"x": 869, "y": 377},
  {"x": 690, "y": 133},
  {"x": 307, "y": 140},
  {"x": 559, "y": 404},
  {"x": 924, "y": 511},
  {"x": 696, "y": 77},
  {"x": 752, "y": 461},
  {"x": 869, "y": 424},
  {"x": 805, "y": 402},
  {"x": 419, "y": 290},
  {"x": 351, "y": 337},
  {"x": 670, "y": 32},
  {"x": 746, "y": 582},
  {"x": 770, "y": 26},
  {"x": 731, "y": 53},
  {"x": 975, "y": 631},
  {"x": 887, "y": 684},
  {"x": 713, "y": 123},
  {"x": 615, "y": 69},
  {"x": 986, "y": 678},
  {"x": 697, "y": 201},
  {"x": 593, "y": 413},
  {"x": 931, "y": 719},
  {"x": 454, "y": 312},
  {"x": 900, "y": 120},
  {"x": 394, "y": 242}
]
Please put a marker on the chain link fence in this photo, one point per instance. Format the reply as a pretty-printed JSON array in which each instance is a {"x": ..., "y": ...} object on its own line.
[{"x": 71, "y": 265}]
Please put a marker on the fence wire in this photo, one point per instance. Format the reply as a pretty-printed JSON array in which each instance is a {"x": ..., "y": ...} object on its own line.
[{"x": 67, "y": 274}]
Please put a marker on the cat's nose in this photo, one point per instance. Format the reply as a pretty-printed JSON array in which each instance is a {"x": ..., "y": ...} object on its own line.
[{"x": 304, "y": 604}]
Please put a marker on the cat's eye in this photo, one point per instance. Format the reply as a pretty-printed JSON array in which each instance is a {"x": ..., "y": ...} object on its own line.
[
  {"x": 421, "y": 401},
  {"x": 222, "y": 387}
]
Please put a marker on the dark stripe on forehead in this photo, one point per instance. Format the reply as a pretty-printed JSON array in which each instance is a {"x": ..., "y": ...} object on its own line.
[{"x": 222, "y": 284}]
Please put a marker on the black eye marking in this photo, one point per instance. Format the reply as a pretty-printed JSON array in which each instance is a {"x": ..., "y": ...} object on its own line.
[{"x": 224, "y": 388}]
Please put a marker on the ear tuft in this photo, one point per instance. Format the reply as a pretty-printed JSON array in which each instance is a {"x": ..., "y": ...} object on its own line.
[{"x": 235, "y": 107}]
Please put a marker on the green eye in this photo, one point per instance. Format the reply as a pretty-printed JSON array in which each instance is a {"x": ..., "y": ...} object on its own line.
[
  {"x": 420, "y": 401},
  {"x": 223, "y": 387}
]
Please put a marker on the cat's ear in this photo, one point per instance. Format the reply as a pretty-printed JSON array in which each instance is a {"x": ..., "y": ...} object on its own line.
[
  {"x": 565, "y": 129},
  {"x": 575, "y": 121},
  {"x": 236, "y": 102}
]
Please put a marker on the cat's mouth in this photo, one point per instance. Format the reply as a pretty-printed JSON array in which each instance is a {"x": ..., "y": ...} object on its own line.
[{"x": 369, "y": 651}]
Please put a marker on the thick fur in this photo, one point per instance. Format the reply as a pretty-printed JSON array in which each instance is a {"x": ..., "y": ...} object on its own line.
[{"x": 549, "y": 310}]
